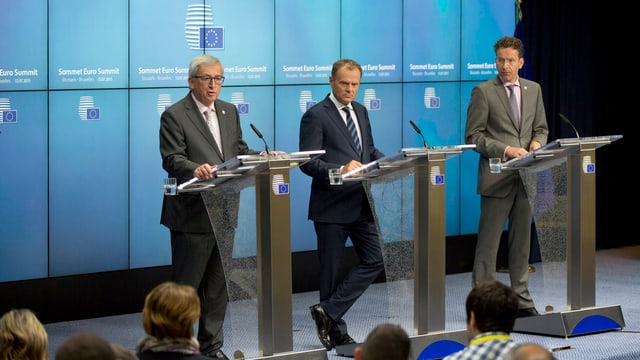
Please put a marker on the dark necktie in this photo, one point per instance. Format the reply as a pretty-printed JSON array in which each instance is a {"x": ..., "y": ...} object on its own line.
[
  {"x": 351, "y": 126},
  {"x": 514, "y": 103}
]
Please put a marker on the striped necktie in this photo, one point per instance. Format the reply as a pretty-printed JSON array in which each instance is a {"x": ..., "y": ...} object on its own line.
[{"x": 351, "y": 126}]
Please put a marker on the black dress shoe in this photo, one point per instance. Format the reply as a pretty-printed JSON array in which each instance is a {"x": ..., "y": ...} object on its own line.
[
  {"x": 323, "y": 325},
  {"x": 527, "y": 312},
  {"x": 342, "y": 340}
]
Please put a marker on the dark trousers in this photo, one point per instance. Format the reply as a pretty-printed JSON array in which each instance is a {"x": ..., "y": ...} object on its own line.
[
  {"x": 196, "y": 262},
  {"x": 337, "y": 294}
]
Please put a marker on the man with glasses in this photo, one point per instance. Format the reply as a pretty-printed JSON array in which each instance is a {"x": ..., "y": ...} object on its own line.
[
  {"x": 197, "y": 133},
  {"x": 505, "y": 119}
]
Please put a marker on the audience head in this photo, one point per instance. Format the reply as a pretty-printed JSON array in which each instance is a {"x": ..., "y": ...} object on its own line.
[
  {"x": 385, "y": 342},
  {"x": 529, "y": 351},
  {"x": 491, "y": 306},
  {"x": 22, "y": 336},
  {"x": 170, "y": 311},
  {"x": 85, "y": 346},
  {"x": 122, "y": 353}
]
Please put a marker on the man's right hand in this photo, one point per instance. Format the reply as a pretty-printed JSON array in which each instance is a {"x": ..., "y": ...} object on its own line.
[{"x": 205, "y": 172}]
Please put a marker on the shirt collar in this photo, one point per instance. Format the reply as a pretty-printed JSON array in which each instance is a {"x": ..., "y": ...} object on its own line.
[
  {"x": 201, "y": 107},
  {"x": 338, "y": 104}
]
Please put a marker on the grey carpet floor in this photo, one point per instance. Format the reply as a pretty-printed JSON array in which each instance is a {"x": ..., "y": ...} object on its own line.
[{"x": 617, "y": 283}]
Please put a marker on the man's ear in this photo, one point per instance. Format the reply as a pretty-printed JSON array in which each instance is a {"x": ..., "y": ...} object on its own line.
[{"x": 356, "y": 352}]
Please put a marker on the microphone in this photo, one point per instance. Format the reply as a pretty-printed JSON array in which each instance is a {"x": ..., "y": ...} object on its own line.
[
  {"x": 415, "y": 127},
  {"x": 564, "y": 118},
  {"x": 255, "y": 130}
]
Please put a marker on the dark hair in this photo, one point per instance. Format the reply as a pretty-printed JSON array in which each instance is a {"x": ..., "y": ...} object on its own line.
[
  {"x": 494, "y": 305},
  {"x": 386, "y": 342},
  {"x": 509, "y": 42},
  {"x": 348, "y": 63},
  {"x": 85, "y": 346}
]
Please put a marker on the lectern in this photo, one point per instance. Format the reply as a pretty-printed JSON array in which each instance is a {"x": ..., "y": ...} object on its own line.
[
  {"x": 270, "y": 174},
  {"x": 427, "y": 164},
  {"x": 582, "y": 317}
]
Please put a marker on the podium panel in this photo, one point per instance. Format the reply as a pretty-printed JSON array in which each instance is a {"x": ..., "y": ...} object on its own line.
[
  {"x": 560, "y": 180},
  {"x": 418, "y": 174},
  {"x": 262, "y": 272}
]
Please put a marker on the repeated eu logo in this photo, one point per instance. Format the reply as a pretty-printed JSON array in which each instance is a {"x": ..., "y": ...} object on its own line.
[
  {"x": 310, "y": 104},
  {"x": 8, "y": 116},
  {"x": 243, "y": 108},
  {"x": 283, "y": 189},
  {"x": 93, "y": 113},
  {"x": 212, "y": 37}
]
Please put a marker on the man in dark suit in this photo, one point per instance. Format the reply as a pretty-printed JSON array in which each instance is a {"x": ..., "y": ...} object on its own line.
[
  {"x": 500, "y": 132},
  {"x": 340, "y": 211},
  {"x": 189, "y": 149}
]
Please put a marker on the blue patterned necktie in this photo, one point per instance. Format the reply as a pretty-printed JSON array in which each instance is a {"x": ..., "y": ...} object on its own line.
[
  {"x": 514, "y": 103},
  {"x": 351, "y": 126}
]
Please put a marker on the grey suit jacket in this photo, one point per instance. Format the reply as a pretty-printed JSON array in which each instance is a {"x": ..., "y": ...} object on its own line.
[
  {"x": 185, "y": 144},
  {"x": 491, "y": 126}
]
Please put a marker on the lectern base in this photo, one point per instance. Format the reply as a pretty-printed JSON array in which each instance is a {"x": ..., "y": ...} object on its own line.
[
  {"x": 573, "y": 322},
  {"x": 436, "y": 345},
  {"x": 347, "y": 350},
  {"x": 428, "y": 346},
  {"x": 320, "y": 354}
]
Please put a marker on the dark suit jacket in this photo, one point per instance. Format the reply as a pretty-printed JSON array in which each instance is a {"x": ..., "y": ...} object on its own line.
[
  {"x": 185, "y": 144},
  {"x": 322, "y": 128},
  {"x": 491, "y": 126}
]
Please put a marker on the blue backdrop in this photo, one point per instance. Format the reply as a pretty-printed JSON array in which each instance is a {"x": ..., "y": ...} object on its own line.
[{"x": 83, "y": 84}]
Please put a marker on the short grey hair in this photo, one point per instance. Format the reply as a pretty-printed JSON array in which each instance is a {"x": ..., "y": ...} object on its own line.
[{"x": 200, "y": 60}]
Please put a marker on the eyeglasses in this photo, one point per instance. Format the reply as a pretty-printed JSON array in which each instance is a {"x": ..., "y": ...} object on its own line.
[
  {"x": 218, "y": 79},
  {"x": 502, "y": 61}
]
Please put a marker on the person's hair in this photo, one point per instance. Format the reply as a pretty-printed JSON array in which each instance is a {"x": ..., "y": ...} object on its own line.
[
  {"x": 85, "y": 346},
  {"x": 22, "y": 336},
  {"x": 122, "y": 353},
  {"x": 386, "y": 342},
  {"x": 200, "y": 60},
  {"x": 529, "y": 351},
  {"x": 348, "y": 63},
  {"x": 494, "y": 305},
  {"x": 170, "y": 311},
  {"x": 509, "y": 42}
]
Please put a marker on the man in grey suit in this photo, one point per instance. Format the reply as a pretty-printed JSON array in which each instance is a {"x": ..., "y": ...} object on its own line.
[
  {"x": 340, "y": 211},
  {"x": 189, "y": 149},
  {"x": 499, "y": 132}
]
